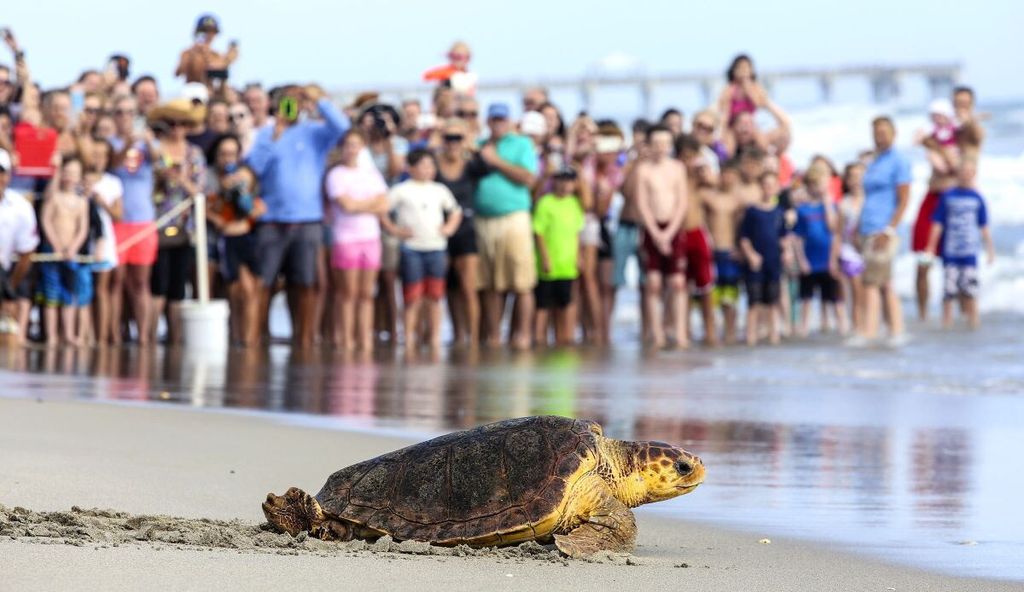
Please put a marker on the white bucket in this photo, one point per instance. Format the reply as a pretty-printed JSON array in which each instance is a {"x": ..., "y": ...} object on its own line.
[{"x": 205, "y": 326}]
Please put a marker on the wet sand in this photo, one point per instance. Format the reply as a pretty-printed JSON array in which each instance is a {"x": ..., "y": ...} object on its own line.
[{"x": 180, "y": 491}]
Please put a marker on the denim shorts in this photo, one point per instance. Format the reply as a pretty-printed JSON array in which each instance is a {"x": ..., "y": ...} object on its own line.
[{"x": 417, "y": 266}]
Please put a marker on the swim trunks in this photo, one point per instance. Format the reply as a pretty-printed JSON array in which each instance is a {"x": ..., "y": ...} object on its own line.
[
  {"x": 656, "y": 261},
  {"x": 698, "y": 260},
  {"x": 923, "y": 223},
  {"x": 960, "y": 281}
]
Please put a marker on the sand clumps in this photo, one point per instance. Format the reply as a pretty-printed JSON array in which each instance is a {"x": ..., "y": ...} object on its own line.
[{"x": 109, "y": 528}]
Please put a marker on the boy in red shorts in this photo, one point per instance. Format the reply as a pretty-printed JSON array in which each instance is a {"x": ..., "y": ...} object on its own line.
[
  {"x": 425, "y": 215},
  {"x": 662, "y": 199}
]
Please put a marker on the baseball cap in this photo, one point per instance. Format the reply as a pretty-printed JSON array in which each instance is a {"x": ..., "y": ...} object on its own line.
[
  {"x": 5, "y": 161},
  {"x": 565, "y": 173},
  {"x": 207, "y": 22},
  {"x": 533, "y": 124},
  {"x": 498, "y": 111},
  {"x": 196, "y": 91}
]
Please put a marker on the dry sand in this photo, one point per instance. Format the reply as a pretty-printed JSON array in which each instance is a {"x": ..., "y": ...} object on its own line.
[{"x": 179, "y": 493}]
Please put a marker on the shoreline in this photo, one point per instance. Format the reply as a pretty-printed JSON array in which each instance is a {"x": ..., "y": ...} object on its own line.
[{"x": 173, "y": 461}]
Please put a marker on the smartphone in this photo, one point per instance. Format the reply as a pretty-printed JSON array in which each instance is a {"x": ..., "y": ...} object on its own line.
[{"x": 288, "y": 109}]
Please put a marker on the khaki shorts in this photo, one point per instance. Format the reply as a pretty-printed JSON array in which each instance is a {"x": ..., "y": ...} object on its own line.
[
  {"x": 505, "y": 246},
  {"x": 877, "y": 263}
]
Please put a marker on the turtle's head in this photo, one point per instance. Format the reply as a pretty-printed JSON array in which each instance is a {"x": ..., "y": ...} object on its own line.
[
  {"x": 293, "y": 512},
  {"x": 654, "y": 471}
]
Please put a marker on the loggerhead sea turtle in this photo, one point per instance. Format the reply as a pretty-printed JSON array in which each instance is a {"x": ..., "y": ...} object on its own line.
[{"x": 532, "y": 478}]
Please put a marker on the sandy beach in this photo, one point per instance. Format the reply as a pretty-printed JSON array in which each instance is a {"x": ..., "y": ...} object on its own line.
[{"x": 182, "y": 463}]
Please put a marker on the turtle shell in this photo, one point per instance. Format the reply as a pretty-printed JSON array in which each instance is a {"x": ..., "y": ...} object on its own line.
[{"x": 469, "y": 486}]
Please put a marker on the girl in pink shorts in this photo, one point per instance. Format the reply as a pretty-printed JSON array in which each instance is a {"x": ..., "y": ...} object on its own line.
[{"x": 358, "y": 197}]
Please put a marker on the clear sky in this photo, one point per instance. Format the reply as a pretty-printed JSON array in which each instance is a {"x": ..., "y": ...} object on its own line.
[{"x": 346, "y": 44}]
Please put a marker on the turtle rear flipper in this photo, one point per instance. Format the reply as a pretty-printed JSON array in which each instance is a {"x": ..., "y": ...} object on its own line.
[{"x": 611, "y": 526}]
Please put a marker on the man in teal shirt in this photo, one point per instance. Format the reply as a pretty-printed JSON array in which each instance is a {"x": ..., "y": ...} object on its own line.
[{"x": 503, "y": 227}]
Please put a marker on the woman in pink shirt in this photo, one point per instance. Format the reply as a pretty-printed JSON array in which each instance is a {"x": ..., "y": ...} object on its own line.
[{"x": 358, "y": 197}]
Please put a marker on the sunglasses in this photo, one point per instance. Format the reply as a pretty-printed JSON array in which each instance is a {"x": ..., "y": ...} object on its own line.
[
  {"x": 458, "y": 57},
  {"x": 124, "y": 111},
  {"x": 454, "y": 137},
  {"x": 173, "y": 124},
  {"x": 92, "y": 110},
  {"x": 703, "y": 127},
  {"x": 467, "y": 114}
]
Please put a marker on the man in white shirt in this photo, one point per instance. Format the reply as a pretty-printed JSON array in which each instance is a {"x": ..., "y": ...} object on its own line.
[{"x": 19, "y": 237}]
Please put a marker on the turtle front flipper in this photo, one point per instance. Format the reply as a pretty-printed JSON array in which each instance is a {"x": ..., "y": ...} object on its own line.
[{"x": 610, "y": 526}]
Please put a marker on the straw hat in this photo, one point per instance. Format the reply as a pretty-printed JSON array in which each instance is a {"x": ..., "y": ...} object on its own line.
[
  {"x": 364, "y": 100},
  {"x": 178, "y": 110}
]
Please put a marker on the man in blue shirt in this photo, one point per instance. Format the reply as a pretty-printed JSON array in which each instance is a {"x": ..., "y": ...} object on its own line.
[
  {"x": 289, "y": 158},
  {"x": 503, "y": 227},
  {"x": 886, "y": 191},
  {"x": 961, "y": 221}
]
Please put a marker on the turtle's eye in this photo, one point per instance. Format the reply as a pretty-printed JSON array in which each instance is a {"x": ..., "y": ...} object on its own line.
[{"x": 683, "y": 468}]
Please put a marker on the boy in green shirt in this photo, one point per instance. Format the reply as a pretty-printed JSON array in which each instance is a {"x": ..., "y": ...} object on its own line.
[{"x": 557, "y": 222}]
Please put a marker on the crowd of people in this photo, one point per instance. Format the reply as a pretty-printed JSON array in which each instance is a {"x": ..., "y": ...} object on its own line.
[{"x": 534, "y": 218}]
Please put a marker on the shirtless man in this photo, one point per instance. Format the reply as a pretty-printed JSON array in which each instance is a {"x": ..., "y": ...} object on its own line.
[
  {"x": 724, "y": 209},
  {"x": 956, "y": 135},
  {"x": 66, "y": 283},
  {"x": 751, "y": 166},
  {"x": 698, "y": 243},
  {"x": 661, "y": 201}
]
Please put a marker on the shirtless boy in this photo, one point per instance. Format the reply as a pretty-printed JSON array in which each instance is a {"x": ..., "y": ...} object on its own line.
[
  {"x": 698, "y": 243},
  {"x": 662, "y": 200},
  {"x": 724, "y": 209},
  {"x": 66, "y": 283}
]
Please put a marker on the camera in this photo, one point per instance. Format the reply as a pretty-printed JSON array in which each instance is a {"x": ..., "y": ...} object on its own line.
[{"x": 380, "y": 112}]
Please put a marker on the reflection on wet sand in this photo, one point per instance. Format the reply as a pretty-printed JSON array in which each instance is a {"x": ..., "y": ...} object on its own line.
[{"x": 779, "y": 456}]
